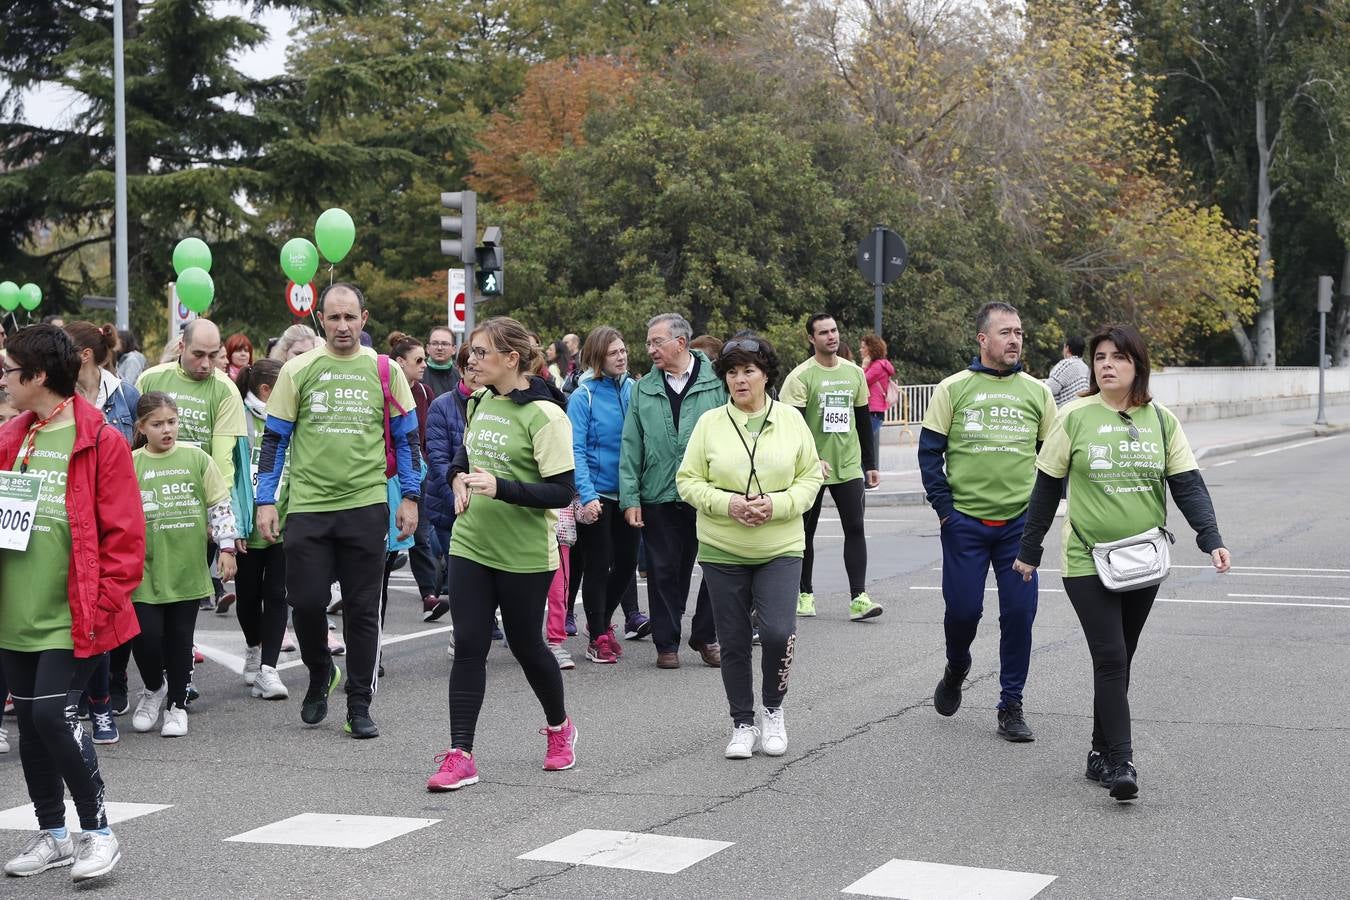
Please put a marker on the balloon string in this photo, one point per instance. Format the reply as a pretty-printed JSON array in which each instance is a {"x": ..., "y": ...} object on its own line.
[{"x": 330, "y": 276}]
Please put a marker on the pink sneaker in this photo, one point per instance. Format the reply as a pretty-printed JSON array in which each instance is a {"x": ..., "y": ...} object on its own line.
[
  {"x": 601, "y": 650},
  {"x": 614, "y": 643},
  {"x": 561, "y": 743},
  {"x": 457, "y": 770}
]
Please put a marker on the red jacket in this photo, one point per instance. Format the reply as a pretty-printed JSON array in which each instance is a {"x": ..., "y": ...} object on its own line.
[{"x": 107, "y": 536}]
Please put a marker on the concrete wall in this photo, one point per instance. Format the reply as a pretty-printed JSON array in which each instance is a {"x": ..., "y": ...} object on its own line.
[{"x": 1219, "y": 393}]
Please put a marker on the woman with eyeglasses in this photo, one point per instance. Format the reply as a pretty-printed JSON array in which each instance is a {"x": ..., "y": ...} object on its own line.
[
  {"x": 1116, "y": 448},
  {"x": 608, "y": 546},
  {"x": 751, "y": 471},
  {"x": 512, "y": 472}
]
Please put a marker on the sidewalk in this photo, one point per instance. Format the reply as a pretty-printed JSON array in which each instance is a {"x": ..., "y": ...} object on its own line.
[{"x": 901, "y": 485}]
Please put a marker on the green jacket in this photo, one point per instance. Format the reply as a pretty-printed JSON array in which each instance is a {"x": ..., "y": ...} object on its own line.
[{"x": 652, "y": 448}]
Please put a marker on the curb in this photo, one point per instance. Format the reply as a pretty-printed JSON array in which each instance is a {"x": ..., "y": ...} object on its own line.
[
  {"x": 1270, "y": 440},
  {"x": 887, "y": 498}
]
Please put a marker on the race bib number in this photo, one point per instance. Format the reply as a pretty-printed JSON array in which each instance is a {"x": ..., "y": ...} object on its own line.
[
  {"x": 18, "y": 507},
  {"x": 838, "y": 414},
  {"x": 253, "y": 460}
]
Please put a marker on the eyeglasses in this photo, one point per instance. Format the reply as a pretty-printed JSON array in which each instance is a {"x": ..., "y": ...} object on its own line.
[
  {"x": 10, "y": 370},
  {"x": 1134, "y": 430},
  {"x": 749, "y": 345},
  {"x": 660, "y": 342},
  {"x": 441, "y": 344},
  {"x": 480, "y": 352}
]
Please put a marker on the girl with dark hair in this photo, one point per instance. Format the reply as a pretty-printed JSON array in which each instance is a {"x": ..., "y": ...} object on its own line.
[
  {"x": 1119, "y": 451},
  {"x": 751, "y": 472},
  {"x": 130, "y": 359},
  {"x": 65, "y": 598},
  {"x": 186, "y": 502},
  {"x": 260, "y": 581},
  {"x": 102, "y": 388}
]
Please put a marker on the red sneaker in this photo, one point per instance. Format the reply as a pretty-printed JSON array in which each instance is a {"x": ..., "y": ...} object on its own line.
[
  {"x": 561, "y": 753},
  {"x": 457, "y": 770}
]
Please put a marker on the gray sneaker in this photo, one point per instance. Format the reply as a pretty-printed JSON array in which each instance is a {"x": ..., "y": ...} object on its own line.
[
  {"x": 95, "y": 855},
  {"x": 42, "y": 852}
]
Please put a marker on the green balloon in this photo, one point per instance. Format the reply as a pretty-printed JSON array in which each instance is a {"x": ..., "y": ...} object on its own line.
[
  {"x": 191, "y": 253},
  {"x": 334, "y": 233},
  {"x": 195, "y": 289},
  {"x": 9, "y": 296},
  {"x": 30, "y": 296},
  {"x": 299, "y": 260}
]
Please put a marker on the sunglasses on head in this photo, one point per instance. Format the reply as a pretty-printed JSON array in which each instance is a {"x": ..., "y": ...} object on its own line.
[{"x": 749, "y": 345}]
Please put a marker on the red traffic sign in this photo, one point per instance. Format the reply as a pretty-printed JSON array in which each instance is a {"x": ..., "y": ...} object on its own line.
[
  {"x": 457, "y": 307},
  {"x": 300, "y": 298}
]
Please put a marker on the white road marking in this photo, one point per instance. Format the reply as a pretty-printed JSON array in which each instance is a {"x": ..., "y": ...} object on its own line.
[
  {"x": 236, "y": 663},
  {"x": 915, "y": 880},
  {"x": 1296, "y": 446},
  {"x": 22, "y": 818},
  {"x": 1226, "y": 462},
  {"x": 628, "y": 850},
  {"x": 1046, "y": 590},
  {"x": 1289, "y": 597},
  {"x": 327, "y": 830}
]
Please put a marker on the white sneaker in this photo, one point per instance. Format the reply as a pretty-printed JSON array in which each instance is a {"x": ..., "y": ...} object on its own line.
[
  {"x": 4, "y": 741},
  {"x": 252, "y": 662},
  {"x": 269, "y": 686},
  {"x": 95, "y": 855},
  {"x": 175, "y": 722},
  {"x": 775, "y": 732},
  {"x": 562, "y": 656},
  {"x": 42, "y": 852},
  {"x": 148, "y": 706},
  {"x": 744, "y": 742}
]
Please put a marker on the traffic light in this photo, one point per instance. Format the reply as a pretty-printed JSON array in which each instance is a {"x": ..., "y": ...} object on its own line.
[
  {"x": 488, "y": 267},
  {"x": 463, "y": 228}
]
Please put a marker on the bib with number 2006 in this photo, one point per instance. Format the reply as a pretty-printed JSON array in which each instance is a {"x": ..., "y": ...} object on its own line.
[
  {"x": 18, "y": 508},
  {"x": 837, "y": 414}
]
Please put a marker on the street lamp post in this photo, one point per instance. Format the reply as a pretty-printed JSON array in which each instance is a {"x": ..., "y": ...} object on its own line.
[{"x": 120, "y": 173}]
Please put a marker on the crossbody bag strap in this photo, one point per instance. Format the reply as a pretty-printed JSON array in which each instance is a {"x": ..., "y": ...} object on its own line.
[{"x": 1162, "y": 480}]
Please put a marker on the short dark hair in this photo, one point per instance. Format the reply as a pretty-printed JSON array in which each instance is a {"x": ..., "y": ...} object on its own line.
[
  {"x": 1128, "y": 340},
  {"x": 1075, "y": 344},
  {"x": 46, "y": 350},
  {"x": 360, "y": 297},
  {"x": 987, "y": 311},
  {"x": 738, "y": 352},
  {"x": 128, "y": 339},
  {"x": 811, "y": 322}
]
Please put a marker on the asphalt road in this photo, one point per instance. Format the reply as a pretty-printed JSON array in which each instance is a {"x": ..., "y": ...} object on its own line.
[{"x": 1240, "y": 717}]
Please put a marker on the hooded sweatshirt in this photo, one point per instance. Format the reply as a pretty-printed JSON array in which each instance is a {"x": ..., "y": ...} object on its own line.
[
  {"x": 597, "y": 409},
  {"x": 524, "y": 439}
]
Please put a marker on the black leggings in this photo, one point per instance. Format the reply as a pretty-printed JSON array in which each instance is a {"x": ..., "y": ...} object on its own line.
[
  {"x": 475, "y": 593},
  {"x": 1112, "y": 623},
  {"x": 261, "y": 586},
  {"x": 164, "y": 646},
  {"x": 848, "y": 500},
  {"x": 53, "y": 746},
  {"x": 610, "y": 557}
]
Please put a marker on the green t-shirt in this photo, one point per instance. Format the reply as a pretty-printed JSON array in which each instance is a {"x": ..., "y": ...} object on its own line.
[
  {"x": 1116, "y": 486},
  {"x": 829, "y": 397},
  {"x": 527, "y": 443},
  {"x": 255, "y": 540},
  {"x": 336, "y": 455},
  {"x": 992, "y": 426},
  {"x": 206, "y": 409},
  {"x": 177, "y": 488},
  {"x": 34, "y": 596}
]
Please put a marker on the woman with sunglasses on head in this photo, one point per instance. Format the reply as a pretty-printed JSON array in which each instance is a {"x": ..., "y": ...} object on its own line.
[
  {"x": 513, "y": 471},
  {"x": 751, "y": 472},
  {"x": 1116, "y": 448}
]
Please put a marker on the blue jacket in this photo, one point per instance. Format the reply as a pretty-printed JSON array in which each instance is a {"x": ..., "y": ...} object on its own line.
[
  {"x": 445, "y": 434},
  {"x": 119, "y": 410},
  {"x": 597, "y": 409}
]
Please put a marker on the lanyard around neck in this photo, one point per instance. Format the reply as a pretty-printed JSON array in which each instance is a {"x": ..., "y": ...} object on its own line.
[
  {"x": 751, "y": 449},
  {"x": 31, "y": 443}
]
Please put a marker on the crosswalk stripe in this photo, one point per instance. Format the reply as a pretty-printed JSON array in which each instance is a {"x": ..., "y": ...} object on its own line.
[
  {"x": 638, "y": 852},
  {"x": 915, "y": 880},
  {"x": 23, "y": 818},
  {"x": 333, "y": 830}
]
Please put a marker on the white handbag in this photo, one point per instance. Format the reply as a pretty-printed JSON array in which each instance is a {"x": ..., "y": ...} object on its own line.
[{"x": 1140, "y": 560}]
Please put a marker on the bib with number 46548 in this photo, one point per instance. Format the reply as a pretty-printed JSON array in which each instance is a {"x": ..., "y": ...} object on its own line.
[{"x": 838, "y": 414}]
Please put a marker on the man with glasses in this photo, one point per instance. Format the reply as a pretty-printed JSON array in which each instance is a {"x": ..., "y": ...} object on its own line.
[
  {"x": 986, "y": 422},
  {"x": 831, "y": 393},
  {"x": 441, "y": 375},
  {"x": 666, "y": 404}
]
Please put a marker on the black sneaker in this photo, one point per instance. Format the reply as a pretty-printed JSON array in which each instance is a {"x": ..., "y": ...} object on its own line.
[
  {"x": 1124, "y": 782},
  {"x": 314, "y": 709},
  {"x": 947, "y": 696},
  {"x": 83, "y": 712},
  {"x": 117, "y": 694},
  {"x": 1011, "y": 725},
  {"x": 1098, "y": 769},
  {"x": 360, "y": 725}
]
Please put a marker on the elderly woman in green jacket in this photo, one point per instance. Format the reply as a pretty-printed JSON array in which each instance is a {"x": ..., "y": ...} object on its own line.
[{"x": 751, "y": 472}]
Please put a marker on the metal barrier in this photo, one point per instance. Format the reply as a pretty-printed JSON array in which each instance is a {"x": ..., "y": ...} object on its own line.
[{"x": 909, "y": 409}]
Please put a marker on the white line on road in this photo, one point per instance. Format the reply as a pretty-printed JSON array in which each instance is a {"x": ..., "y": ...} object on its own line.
[
  {"x": 236, "y": 663},
  {"x": 1296, "y": 446},
  {"x": 1290, "y": 597},
  {"x": 1045, "y": 590},
  {"x": 1226, "y": 462}
]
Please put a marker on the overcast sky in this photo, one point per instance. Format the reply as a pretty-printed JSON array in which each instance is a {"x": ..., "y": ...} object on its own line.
[{"x": 52, "y": 106}]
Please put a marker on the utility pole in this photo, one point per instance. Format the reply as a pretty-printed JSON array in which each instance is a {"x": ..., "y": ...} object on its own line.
[{"x": 122, "y": 291}]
